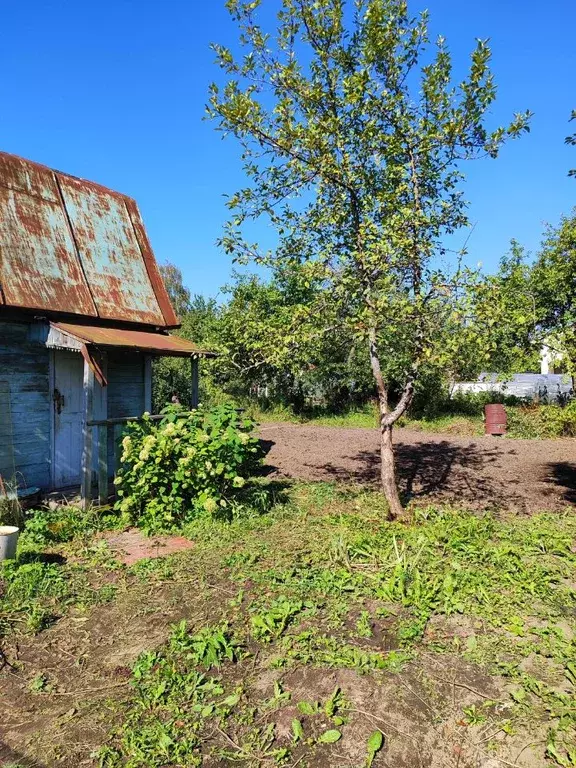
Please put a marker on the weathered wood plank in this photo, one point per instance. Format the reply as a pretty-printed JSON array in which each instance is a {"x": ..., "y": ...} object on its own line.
[
  {"x": 102, "y": 464},
  {"x": 148, "y": 384},
  {"x": 33, "y": 428},
  {"x": 86, "y": 476},
  {"x": 32, "y": 475},
  {"x": 24, "y": 453},
  {"x": 25, "y": 432},
  {"x": 26, "y": 402},
  {"x": 194, "y": 395}
]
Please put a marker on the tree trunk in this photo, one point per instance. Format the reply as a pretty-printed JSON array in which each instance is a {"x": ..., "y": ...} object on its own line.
[
  {"x": 388, "y": 474},
  {"x": 387, "y": 421}
]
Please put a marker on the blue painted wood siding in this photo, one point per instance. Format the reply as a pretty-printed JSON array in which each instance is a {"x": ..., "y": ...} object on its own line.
[
  {"x": 125, "y": 392},
  {"x": 25, "y": 367}
]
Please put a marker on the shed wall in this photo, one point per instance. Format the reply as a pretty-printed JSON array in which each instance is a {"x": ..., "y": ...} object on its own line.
[
  {"x": 25, "y": 432},
  {"x": 125, "y": 393}
]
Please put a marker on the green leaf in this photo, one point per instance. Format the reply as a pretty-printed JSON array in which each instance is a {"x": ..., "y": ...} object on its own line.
[
  {"x": 375, "y": 742},
  {"x": 306, "y": 708},
  {"x": 297, "y": 730},
  {"x": 329, "y": 737},
  {"x": 519, "y": 695}
]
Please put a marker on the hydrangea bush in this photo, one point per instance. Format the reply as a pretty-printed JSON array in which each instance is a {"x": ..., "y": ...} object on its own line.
[{"x": 184, "y": 466}]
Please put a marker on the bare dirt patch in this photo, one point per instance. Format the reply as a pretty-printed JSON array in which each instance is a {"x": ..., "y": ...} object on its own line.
[
  {"x": 524, "y": 476},
  {"x": 131, "y": 546}
]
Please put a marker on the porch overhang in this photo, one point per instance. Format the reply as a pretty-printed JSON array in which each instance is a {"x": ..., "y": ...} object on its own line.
[{"x": 72, "y": 336}]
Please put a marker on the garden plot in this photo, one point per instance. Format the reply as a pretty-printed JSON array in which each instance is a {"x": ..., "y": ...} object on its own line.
[
  {"x": 482, "y": 472},
  {"x": 314, "y": 634}
]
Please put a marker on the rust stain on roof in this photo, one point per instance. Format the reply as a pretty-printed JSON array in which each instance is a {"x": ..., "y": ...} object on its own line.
[
  {"x": 71, "y": 246},
  {"x": 154, "y": 343}
]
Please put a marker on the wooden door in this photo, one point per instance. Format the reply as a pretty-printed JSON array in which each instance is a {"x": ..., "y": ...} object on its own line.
[{"x": 68, "y": 408}]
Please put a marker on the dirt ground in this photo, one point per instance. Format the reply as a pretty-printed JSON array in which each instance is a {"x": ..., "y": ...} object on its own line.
[{"x": 524, "y": 476}]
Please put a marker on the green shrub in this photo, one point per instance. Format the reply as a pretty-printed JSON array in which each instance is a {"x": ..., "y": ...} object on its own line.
[
  {"x": 540, "y": 421},
  {"x": 185, "y": 466}
]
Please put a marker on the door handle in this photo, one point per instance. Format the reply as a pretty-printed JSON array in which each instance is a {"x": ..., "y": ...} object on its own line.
[{"x": 58, "y": 398}]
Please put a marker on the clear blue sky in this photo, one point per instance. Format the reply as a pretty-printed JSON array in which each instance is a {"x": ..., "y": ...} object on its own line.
[{"x": 115, "y": 90}]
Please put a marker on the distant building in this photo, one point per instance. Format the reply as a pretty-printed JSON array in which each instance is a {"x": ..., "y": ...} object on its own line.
[{"x": 550, "y": 387}]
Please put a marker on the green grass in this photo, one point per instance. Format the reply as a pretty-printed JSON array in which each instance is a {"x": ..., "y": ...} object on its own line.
[
  {"x": 324, "y": 571},
  {"x": 524, "y": 422},
  {"x": 322, "y": 585},
  {"x": 367, "y": 417},
  {"x": 57, "y": 569},
  {"x": 360, "y": 417},
  {"x": 450, "y": 424}
]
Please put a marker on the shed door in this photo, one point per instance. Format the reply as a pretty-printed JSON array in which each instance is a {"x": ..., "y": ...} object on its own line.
[{"x": 68, "y": 405}]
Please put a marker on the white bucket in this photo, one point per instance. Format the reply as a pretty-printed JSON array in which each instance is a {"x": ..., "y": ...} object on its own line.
[{"x": 8, "y": 541}]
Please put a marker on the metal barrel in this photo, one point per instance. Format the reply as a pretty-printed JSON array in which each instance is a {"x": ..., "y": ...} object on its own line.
[{"x": 495, "y": 419}]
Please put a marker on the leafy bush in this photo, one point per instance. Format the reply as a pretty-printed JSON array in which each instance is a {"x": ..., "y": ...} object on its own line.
[
  {"x": 185, "y": 466},
  {"x": 540, "y": 421}
]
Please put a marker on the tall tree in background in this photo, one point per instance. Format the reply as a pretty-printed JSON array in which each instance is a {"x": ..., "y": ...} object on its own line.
[
  {"x": 503, "y": 307},
  {"x": 554, "y": 287},
  {"x": 571, "y": 140},
  {"x": 178, "y": 293},
  {"x": 353, "y": 132},
  {"x": 261, "y": 353},
  {"x": 199, "y": 319}
]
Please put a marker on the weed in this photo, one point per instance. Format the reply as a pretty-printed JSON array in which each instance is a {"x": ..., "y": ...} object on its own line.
[
  {"x": 209, "y": 647},
  {"x": 39, "y": 684},
  {"x": 496, "y": 592},
  {"x": 373, "y": 746},
  {"x": 363, "y": 628},
  {"x": 272, "y": 622}
]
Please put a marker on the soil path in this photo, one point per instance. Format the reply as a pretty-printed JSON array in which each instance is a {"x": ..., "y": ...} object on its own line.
[{"x": 519, "y": 475}]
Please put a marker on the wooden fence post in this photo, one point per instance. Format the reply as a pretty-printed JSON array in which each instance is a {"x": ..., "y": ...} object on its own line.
[{"x": 194, "y": 385}]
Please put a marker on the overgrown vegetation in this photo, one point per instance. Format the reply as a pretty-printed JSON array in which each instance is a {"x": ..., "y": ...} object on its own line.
[
  {"x": 320, "y": 582},
  {"x": 57, "y": 568},
  {"x": 323, "y": 583},
  {"x": 186, "y": 465}
]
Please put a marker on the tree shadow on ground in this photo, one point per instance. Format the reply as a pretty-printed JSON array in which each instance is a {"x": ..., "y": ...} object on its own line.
[
  {"x": 442, "y": 469},
  {"x": 266, "y": 445},
  {"x": 8, "y": 757},
  {"x": 563, "y": 474}
]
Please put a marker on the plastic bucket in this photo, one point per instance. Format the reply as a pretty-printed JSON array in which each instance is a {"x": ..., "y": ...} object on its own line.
[{"x": 8, "y": 541}]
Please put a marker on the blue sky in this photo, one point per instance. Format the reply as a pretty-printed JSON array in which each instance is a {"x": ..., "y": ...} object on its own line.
[{"x": 115, "y": 90}]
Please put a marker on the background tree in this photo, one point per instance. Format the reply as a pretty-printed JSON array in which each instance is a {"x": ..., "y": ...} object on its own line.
[
  {"x": 352, "y": 136},
  {"x": 571, "y": 140},
  {"x": 179, "y": 294},
  {"x": 199, "y": 318},
  {"x": 554, "y": 287},
  {"x": 261, "y": 355},
  {"x": 503, "y": 306}
]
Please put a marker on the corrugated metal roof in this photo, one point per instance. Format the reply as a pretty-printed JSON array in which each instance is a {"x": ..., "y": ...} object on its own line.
[
  {"x": 71, "y": 246},
  {"x": 154, "y": 343}
]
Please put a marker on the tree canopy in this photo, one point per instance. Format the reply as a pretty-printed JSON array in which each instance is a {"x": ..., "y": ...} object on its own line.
[{"x": 354, "y": 131}]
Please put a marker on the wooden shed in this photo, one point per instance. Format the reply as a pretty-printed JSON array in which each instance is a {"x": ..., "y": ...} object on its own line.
[{"x": 83, "y": 312}]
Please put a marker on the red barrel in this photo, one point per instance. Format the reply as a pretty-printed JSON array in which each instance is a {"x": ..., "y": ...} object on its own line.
[{"x": 495, "y": 419}]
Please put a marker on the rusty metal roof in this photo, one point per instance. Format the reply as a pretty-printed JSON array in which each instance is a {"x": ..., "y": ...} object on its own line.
[
  {"x": 154, "y": 343},
  {"x": 71, "y": 246}
]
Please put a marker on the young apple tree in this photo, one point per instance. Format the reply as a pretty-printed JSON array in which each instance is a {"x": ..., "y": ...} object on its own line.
[{"x": 353, "y": 134}]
